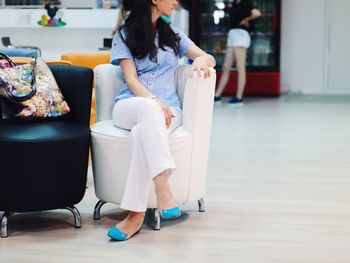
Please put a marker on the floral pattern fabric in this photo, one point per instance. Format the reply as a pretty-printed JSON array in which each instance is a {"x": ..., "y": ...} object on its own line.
[{"x": 47, "y": 101}]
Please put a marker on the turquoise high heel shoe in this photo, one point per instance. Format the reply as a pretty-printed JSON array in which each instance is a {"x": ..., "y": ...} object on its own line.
[
  {"x": 170, "y": 213},
  {"x": 118, "y": 235}
]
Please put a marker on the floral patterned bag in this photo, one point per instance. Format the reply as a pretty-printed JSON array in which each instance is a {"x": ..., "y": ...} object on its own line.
[{"x": 29, "y": 91}]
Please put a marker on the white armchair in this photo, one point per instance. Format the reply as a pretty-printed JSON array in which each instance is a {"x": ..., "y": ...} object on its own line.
[{"x": 189, "y": 144}]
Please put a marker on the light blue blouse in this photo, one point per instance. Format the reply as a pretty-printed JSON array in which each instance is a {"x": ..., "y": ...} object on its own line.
[{"x": 158, "y": 77}]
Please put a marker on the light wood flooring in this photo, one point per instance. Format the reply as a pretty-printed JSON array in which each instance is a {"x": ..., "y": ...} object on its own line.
[{"x": 278, "y": 191}]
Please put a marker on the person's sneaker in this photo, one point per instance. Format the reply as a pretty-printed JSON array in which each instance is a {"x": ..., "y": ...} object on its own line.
[
  {"x": 217, "y": 100},
  {"x": 235, "y": 102}
]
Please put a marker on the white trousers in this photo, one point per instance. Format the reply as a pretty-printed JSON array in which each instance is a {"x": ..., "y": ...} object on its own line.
[{"x": 149, "y": 146}]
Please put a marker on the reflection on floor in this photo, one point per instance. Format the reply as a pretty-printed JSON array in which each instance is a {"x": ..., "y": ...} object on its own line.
[{"x": 329, "y": 99}]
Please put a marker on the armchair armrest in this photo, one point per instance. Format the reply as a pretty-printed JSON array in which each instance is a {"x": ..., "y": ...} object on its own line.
[
  {"x": 198, "y": 103},
  {"x": 197, "y": 94}
]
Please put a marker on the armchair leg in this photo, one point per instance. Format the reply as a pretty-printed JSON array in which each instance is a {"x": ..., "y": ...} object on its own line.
[
  {"x": 201, "y": 205},
  {"x": 156, "y": 214},
  {"x": 4, "y": 220},
  {"x": 77, "y": 217},
  {"x": 97, "y": 210}
]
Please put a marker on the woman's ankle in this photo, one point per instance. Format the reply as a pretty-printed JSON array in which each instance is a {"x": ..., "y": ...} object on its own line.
[
  {"x": 132, "y": 221},
  {"x": 165, "y": 199},
  {"x": 136, "y": 215}
]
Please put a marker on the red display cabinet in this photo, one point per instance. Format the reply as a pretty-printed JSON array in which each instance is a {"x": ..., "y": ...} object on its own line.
[{"x": 209, "y": 25}]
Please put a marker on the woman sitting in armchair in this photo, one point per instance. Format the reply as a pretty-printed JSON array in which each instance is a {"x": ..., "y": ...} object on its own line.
[{"x": 148, "y": 50}]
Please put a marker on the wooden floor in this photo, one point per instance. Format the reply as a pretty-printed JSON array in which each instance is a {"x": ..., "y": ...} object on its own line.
[{"x": 278, "y": 191}]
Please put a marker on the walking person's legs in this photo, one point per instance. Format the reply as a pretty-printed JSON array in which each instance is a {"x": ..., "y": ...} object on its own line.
[
  {"x": 241, "y": 56},
  {"x": 226, "y": 69}
]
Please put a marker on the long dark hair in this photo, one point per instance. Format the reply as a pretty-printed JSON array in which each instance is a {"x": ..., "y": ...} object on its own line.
[{"x": 140, "y": 34}]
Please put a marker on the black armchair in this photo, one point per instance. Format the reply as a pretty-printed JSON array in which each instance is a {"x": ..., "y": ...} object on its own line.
[{"x": 43, "y": 164}]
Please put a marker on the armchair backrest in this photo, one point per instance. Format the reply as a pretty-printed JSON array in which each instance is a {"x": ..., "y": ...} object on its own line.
[
  {"x": 75, "y": 84},
  {"x": 108, "y": 81}
]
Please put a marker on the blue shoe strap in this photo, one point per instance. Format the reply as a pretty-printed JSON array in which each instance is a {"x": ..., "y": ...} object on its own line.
[
  {"x": 171, "y": 212},
  {"x": 116, "y": 234}
]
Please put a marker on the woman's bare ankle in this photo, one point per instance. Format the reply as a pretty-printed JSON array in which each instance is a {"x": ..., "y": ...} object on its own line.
[
  {"x": 165, "y": 199},
  {"x": 132, "y": 222}
]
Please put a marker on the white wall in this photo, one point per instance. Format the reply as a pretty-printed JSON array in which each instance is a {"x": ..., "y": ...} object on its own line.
[
  {"x": 338, "y": 55},
  {"x": 84, "y": 31},
  {"x": 308, "y": 62},
  {"x": 303, "y": 45}
]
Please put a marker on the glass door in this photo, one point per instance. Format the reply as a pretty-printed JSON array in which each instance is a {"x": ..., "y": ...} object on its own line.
[{"x": 263, "y": 54}]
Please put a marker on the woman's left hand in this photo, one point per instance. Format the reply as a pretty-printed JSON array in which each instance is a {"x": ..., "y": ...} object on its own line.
[{"x": 199, "y": 64}]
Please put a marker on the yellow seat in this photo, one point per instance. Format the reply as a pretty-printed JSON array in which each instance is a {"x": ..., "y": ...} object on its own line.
[
  {"x": 90, "y": 60},
  {"x": 24, "y": 60},
  {"x": 87, "y": 59}
]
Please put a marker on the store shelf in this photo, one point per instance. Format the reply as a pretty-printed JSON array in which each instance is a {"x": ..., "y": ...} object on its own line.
[
  {"x": 220, "y": 34},
  {"x": 267, "y": 15},
  {"x": 75, "y": 18},
  {"x": 263, "y": 34}
]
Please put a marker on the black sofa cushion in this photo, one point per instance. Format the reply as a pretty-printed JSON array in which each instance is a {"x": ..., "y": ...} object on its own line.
[{"x": 37, "y": 132}]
